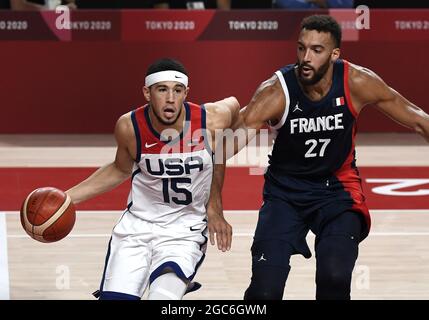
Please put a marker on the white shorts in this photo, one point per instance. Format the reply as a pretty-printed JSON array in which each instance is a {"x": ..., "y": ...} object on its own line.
[{"x": 139, "y": 251}]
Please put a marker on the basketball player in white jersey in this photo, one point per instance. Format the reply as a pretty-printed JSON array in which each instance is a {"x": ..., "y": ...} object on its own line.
[{"x": 160, "y": 240}]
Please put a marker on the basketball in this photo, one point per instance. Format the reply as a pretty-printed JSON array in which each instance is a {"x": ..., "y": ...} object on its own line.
[{"x": 48, "y": 214}]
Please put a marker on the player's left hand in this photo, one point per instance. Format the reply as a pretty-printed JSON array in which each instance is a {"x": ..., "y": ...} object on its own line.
[{"x": 219, "y": 226}]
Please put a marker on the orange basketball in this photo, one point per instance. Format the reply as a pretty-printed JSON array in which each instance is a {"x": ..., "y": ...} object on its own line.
[{"x": 47, "y": 214}]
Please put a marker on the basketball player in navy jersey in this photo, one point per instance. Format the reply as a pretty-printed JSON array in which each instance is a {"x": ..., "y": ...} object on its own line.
[
  {"x": 166, "y": 148},
  {"x": 312, "y": 182}
]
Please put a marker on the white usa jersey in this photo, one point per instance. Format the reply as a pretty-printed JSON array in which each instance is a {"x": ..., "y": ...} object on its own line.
[{"x": 171, "y": 180}]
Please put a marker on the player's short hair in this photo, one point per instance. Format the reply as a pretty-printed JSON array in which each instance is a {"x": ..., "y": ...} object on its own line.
[
  {"x": 323, "y": 23},
  {"x": 166, "y": 64}
]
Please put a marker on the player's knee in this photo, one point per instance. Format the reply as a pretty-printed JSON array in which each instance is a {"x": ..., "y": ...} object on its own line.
[
  {"x": 336, "y": 258},
  {"x": 167, "y": 286},
  {"x": 333, "y": 281},
  {"x": 336, "y": 277},
  {"x": 267, "y": 283}
]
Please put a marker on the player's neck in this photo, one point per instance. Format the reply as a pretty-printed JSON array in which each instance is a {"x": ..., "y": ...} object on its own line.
[
  {"x": 177, "y": 126},
  {"x": 320, "y": 89}
]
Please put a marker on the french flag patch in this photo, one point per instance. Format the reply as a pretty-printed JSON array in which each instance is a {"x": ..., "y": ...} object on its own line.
[{"x": 338, "y": 102}]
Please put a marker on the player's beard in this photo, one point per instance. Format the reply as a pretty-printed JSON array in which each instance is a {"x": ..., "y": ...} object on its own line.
[
  {"x": 169, "y": 122},
  {"x": 318, "y": 74}
]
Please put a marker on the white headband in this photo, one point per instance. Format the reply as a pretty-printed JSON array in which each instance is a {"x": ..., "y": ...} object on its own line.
[{"x": 166, "y": 76}]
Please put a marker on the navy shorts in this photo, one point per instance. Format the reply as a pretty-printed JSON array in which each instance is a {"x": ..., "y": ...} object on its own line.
[{"x": 292, "y": 207}]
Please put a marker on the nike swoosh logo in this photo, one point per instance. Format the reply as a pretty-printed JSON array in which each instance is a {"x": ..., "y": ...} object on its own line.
[
  {"x": 177, "y": 77},
  {"x": 194, "y": 229},
  {"x": 150, "y": 145}
]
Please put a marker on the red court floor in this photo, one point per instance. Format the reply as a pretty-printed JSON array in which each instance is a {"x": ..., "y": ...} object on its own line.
[{"x": 241, "y": 191}]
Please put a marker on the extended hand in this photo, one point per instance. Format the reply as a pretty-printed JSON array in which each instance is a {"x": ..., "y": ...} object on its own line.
[{"x": 223, "y": 230}]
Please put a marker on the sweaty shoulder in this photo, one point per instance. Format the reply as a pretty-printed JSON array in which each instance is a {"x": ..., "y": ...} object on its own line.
[
  {"x": 365, "y": 86},
  {"x": 124, "y": 133},
  {"x": 359, "y": 75},
  {"x": 124, "y": 125},
  {"x": 221, "y": 114},
  {"x": 270, "y": 87}
]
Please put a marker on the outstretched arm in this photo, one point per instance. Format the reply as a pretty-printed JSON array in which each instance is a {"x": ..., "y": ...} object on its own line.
[
  {"x": 266, "y": 107},
  {"x": 111, "y": 175},
  {"x": 368, "y": 88},
  {"x": 220, "y": 115}
]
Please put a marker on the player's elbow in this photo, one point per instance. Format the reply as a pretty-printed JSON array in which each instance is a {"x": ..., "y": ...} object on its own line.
[
  {"x": 119, "y": 172},
  {"x": 229, "y": 110},
  {"x": 233, "y": 106},
  {"x": 422, "y": 124},
  {"x": 232, "y": 101},
  {"x": 235, "y": 111}
]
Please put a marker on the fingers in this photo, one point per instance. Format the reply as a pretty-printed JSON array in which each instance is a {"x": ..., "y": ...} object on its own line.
[
  {"x": 211, "y": 236},
  {"x": 224, "y": 237},
  {"x": 219, "y": 239},
  {"x": 223, "y": 233},
  {"x": 229, "y": 238}
]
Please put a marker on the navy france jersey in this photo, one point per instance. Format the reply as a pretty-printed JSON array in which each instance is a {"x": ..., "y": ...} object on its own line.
[{"x": 315, "y": 142}]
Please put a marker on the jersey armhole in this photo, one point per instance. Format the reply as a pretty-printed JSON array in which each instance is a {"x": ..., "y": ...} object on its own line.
[
  {"x": 286, "y": 92},
  {"x": 137, "y": 134},
  {"x": 204, "y": 129},
  {"x": 347, "y": 89}
]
